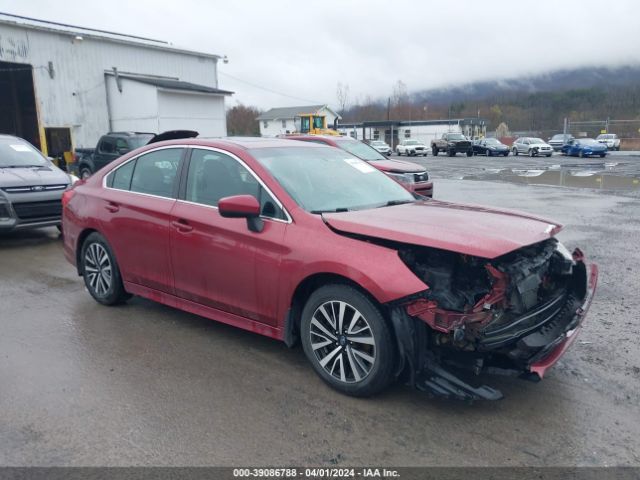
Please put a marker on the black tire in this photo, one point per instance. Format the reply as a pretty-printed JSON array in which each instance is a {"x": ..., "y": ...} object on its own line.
[
  {"x": 434, "y": 151},
  {"x": 469, "y": 153},
  {"x": 602, "y": 155},
  {"x": 451, "y": 153},
  {"x": 617, "y": 149},
  {"x": 398, "y": 153},
  {"x": 581, "y": 154},
  {"x": 85, "y": 172},
  {"x": 381, "y": 372},
  {"x": 489, "y": 154},
  {"x": 506, "y": 154},
  {"x": 532, "y": 153},
  {"x": 515, "y": 151},
  {"x": 115, "y": 293}
]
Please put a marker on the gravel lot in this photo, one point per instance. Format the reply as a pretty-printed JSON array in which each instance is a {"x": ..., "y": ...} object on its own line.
[{"x": 143, "y": 384}]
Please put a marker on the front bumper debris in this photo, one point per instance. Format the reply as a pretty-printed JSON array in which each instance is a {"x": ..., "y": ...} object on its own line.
[{"x": 525, "y": 347}]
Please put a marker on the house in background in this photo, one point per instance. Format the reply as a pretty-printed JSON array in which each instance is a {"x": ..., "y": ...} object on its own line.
[{"x": 281, "y": 120}]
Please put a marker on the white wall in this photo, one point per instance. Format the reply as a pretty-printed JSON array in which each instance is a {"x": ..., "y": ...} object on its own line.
[
  {"x": 76, "y": 96},
  {"x": 203, "y": 113},
  {"x": 135, "y": 109}
]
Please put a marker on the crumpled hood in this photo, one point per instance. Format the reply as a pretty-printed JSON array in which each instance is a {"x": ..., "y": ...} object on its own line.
[
  {"x": 467, "y": 229},
  {"x": 397, "y": 166},
  {"x": 22, "y": 177}
]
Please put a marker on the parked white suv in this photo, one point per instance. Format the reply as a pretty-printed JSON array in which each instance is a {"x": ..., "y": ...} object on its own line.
[
  {"x": 531, "y": 146},
  {"x": 411, "y": 148},
  {"x": 611, "y": 140}
]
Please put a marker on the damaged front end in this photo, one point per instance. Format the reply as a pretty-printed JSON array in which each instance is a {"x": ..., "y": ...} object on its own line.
[{"x": 512, "y": 315}]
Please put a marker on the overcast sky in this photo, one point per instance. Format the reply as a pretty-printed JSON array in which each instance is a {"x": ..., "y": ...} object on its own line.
[{"x": 303, "y": 49}]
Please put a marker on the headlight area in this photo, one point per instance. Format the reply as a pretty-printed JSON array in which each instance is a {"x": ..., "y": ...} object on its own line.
[
  {"x": 403, "y": 178},
  {"x": 5, "y": 208},
  {"x": 514, "y": 315}
]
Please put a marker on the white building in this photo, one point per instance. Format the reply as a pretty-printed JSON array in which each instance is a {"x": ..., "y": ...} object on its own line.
[
  {"x": 393, "y": 131},
  {"x": 64, "y": 86},
  {"x": 279, "y": 121}
]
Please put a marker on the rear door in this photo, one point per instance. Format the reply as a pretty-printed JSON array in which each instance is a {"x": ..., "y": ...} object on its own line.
[
  {"x": 218, "y": 262},
  {"x": 137, "y": 202},
  {"x": 105, "y": 153}
]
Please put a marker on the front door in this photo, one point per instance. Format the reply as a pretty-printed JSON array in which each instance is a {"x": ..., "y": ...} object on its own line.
[{"x": 219, "y": 262}]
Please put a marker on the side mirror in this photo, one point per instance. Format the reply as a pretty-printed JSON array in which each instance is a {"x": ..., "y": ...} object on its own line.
[
  {"x": 242, "y": 206},
  {"x": 123, "y": 150}
]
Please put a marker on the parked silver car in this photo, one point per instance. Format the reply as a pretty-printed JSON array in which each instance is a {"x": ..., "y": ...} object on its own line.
[
  {"x": 531, "y": 146},
  {"x": 381, "y": 147},
  {"x": 31, "y": 187}
]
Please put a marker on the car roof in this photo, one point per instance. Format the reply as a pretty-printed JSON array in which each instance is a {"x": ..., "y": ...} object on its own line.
[{"x": 245, "y": 143}]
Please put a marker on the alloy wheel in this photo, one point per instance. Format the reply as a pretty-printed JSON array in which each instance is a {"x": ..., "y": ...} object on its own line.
[
  {"x": 98, "y": 268},
  {"x": 342, "y": 341}
]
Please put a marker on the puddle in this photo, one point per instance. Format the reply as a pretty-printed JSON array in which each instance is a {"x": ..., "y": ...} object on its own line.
[{"x": 598, "y": 176}]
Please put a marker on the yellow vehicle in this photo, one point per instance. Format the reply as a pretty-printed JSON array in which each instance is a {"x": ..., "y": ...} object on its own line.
[{"x": 312, "y": 124}]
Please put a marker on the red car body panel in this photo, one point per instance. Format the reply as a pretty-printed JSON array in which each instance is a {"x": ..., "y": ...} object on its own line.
[
  {"x": 188, "y": 256},
  {"x": 385, "y": 165},
  {"x": 480, "y": 232}
]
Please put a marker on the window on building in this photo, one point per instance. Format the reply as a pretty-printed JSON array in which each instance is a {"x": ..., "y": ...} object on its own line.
[
  {"x": 266, "y": 124},
  {"x": 407, "y": 133},
  {"x": 376, "y": 135},
  {"x": 284, "y": 124}
]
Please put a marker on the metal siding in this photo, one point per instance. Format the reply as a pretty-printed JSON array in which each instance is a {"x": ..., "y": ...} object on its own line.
[{"x": 76, "y": 96}]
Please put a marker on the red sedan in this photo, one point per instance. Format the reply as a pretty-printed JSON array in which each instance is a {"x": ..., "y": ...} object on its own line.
[
  {"x": 306, "y": 242},
  {"x": 410, "y": 175}
]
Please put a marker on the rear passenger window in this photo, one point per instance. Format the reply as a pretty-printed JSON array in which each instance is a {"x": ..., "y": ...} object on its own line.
[
  {"x": 121, "y": 178},
  {"x": 155, "y": 173}
]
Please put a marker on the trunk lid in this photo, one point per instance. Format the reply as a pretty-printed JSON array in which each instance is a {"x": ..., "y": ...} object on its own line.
[{"x": 466, "y": 229}]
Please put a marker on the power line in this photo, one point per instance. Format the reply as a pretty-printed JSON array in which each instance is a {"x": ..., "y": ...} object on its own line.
[{"x": 269, "y": 89}]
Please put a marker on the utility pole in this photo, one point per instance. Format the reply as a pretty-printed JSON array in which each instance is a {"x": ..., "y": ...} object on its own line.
[
  {"x": 388, "y": 108},
  {"x": 564, "y": 131}
]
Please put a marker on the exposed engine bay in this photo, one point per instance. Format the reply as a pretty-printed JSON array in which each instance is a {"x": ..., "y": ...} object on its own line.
[{"x": 492, "y": 316}]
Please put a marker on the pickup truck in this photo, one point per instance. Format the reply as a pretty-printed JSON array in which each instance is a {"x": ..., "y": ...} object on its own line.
[
  {"x": 452, "y": 143},
  {"x": 115, "y": 144}
]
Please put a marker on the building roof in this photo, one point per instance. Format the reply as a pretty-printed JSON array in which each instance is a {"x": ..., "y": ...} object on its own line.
[
  {"x": 409, "y": 123},
  {"x": 87, "y": 32},
  {"x": 171, "y": 83},
  {"x": 282, "y": 113}
]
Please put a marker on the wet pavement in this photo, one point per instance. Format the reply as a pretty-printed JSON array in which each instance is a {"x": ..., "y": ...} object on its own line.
[{"x": 144, "y": 384}]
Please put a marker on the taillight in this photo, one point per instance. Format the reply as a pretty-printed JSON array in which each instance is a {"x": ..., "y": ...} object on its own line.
[{"x": 66, "y": 197}]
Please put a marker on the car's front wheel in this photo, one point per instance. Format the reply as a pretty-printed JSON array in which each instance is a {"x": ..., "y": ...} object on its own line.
[
  {"x": 515, "y": 151},
  {"x": 100, "y": 271},
  {"x": 348, "y": 341},
  {"x": 85, "y": 172},
  {"x": 434, "y": 151}
]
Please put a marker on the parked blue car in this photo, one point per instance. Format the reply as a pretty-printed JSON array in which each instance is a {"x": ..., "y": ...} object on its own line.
[{"x": 584, "y": 147}]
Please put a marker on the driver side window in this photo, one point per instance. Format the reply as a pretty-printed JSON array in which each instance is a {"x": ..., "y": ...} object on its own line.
[{"x": 213, "y": 175}]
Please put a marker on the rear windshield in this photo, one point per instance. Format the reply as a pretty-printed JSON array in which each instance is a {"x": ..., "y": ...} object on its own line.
[
  {"x": 15, "y": 153},
  {"x": 360, "y": 150},
  {"x": 456, "y": 136},
  {"x": 140, "y": 140}
]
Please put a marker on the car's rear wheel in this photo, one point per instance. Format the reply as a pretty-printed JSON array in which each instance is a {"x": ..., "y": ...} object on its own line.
[
  {"x": 515, "y": 151},
  {"x": 100, "y": 271},
  {"x": 489, "y": 154},
  {"x": 348, "y": 341},
  {"x": 581, "y": 154},
  {"x": 434, "y": 150}
]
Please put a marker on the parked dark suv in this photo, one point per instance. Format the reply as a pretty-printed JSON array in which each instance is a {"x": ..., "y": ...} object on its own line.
[{"x": 110, "y": 146}]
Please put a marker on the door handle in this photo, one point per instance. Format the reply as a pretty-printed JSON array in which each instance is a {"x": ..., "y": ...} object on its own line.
[
  {"x": 112, "y": 207},
  {"x": 182, "y": 226}
]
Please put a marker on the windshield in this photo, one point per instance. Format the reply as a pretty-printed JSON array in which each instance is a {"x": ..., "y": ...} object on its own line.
[
  {"x": 455, "y": 136},
  {"x": 378, "y": 143},
  {"x": 588, "y": 141},
  {"x": 326, "y": 179},
  {"x": 536, "y": 140},
  {"x": 605, "y": 136},
  {"x": 492, "y": 141},
  {"x": 15, "y": 152},
  {"x": 411, "y": 142},
  {"x": 360, "y": 150},
  {"x": 140, "y": 140},
  {"x": 559, "y": 136}
]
